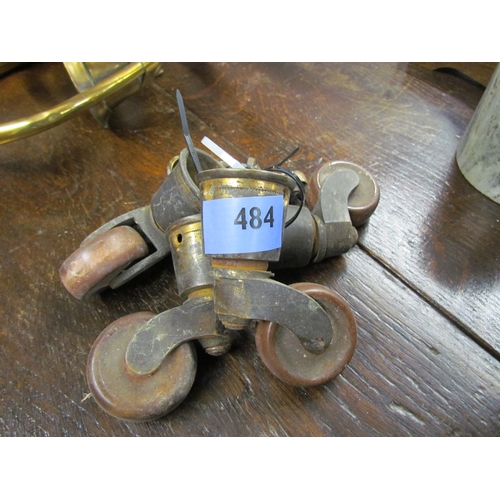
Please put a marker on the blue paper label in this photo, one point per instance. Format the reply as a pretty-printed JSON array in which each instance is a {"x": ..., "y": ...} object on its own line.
[{"x": 242, "y": 225}]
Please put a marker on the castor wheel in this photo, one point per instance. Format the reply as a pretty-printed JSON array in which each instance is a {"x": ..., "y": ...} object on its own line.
[
  {"x": 362, "y": 201},
  {"x": 90, "y": 268},
  {"x": 127, "y": 395},
  {"x": 284, "y": 355}
]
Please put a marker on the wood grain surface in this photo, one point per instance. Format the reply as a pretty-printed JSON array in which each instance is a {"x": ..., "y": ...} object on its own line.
[{"x": 423, "y": 281}]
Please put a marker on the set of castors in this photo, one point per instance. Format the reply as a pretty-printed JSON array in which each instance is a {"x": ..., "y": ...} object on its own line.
[{"x": 226, "y": 230}]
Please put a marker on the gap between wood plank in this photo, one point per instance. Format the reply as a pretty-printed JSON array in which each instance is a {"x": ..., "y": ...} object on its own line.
[{"x": 478, "y": 340}]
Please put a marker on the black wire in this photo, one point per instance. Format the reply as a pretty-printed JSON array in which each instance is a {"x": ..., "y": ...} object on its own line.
[
  {"x": 295, "y": 177},
  {"x": 286, "y": 171},
  {"x": 293, "y": 153}
]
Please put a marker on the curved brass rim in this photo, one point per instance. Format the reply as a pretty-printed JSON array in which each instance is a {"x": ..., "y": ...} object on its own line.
[{"x": 25, "y": 127}]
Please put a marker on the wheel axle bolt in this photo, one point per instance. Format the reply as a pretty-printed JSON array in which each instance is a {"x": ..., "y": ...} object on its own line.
[{"x": 217, "y": 350}]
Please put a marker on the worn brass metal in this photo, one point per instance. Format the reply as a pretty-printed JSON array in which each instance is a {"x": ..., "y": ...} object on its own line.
[
  {"x": 179, "y": 195},
  {"x": 241, "y": 183},
  {"x": 192, "y": 267},
  {"x": 101, "y": 89},
  {"x": 238, "y": 183}
]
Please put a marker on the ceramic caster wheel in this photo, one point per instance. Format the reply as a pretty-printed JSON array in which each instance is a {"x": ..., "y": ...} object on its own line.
[
  {"x": 287, "y": 359},
  {"x": 362, "y": 201},
  {"x": 126, "y": 395},
  {"x": 91, "y": 267}
]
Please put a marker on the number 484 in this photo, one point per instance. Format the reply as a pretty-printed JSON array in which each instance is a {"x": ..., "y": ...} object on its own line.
[{"x": 254, "y": 219}]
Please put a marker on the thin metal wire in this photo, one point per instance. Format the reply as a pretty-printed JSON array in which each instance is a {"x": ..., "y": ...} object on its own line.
[{"x": 286, "y": 171}]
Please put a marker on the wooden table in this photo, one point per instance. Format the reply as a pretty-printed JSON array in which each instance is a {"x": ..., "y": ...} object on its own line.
[{"x": 423, "y": 281}]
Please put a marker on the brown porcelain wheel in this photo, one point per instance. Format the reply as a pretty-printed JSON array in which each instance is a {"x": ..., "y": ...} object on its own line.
[
  {"x": 287, "y": 359},
  {"x": 101, "y": 259},
  {"x": 363, "y": 200},
  {"x": 126, "y": 395}
]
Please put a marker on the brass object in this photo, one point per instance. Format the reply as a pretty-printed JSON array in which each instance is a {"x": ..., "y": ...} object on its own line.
[
  {"x": 219, "y": 184},
  {"x": 143, "y": 366},
  {"x": 101, "y": 88},
  {"x": 192, "y": 267},
  {"x": 6, "y": 67}
]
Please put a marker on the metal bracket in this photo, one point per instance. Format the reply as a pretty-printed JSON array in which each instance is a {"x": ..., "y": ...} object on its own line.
[
  {"x": 268, "y": 300},
  {"x": 194, "y": 320},
  {"x": 338, "y": 234}
]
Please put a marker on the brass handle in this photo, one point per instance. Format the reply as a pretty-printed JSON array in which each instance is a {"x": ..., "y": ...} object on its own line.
[{"x": 25, "y": 127}]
